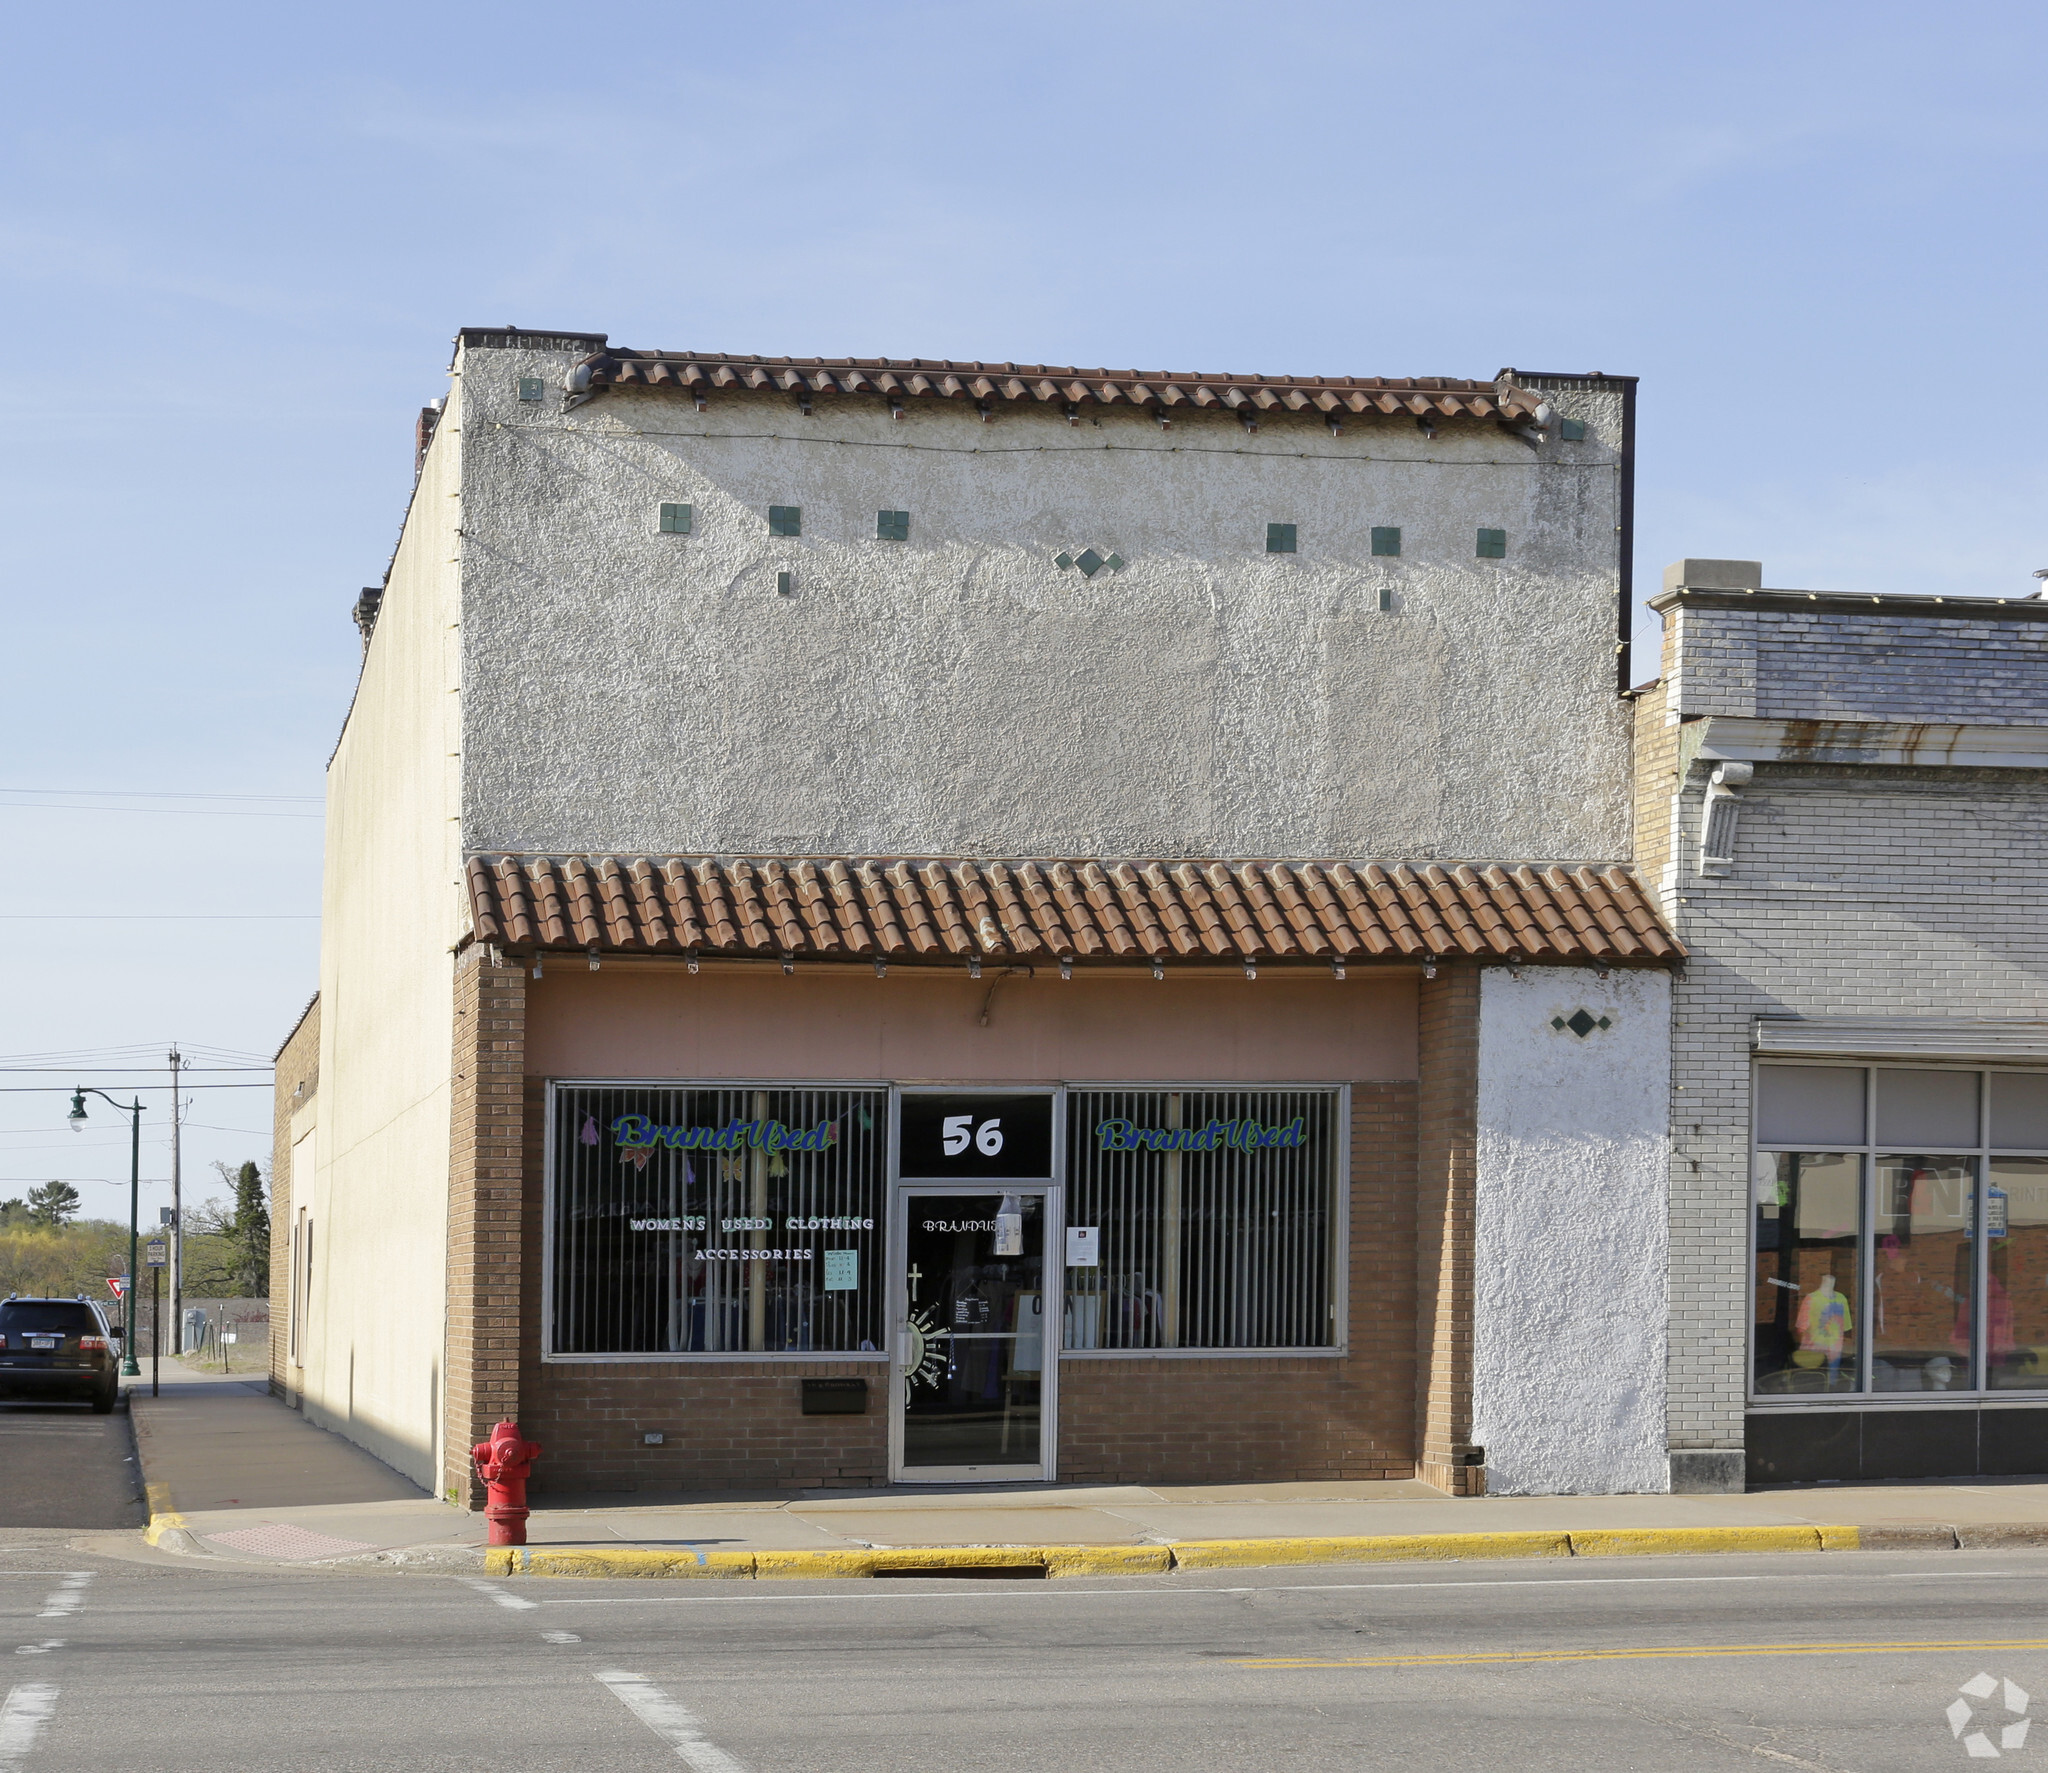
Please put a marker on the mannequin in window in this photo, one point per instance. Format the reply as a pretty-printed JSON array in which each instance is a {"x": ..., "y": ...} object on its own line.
[{"x": 1824, "y": 1325}]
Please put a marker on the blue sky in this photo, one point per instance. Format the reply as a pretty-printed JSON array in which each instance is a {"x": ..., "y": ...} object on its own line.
[{"x": 235, "y": 242}]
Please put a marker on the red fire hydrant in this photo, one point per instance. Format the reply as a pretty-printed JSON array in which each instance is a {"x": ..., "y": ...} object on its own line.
[{"x": 501, "y": 1462}]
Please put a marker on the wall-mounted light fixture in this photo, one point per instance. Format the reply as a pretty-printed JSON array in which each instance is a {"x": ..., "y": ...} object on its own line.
[
  {"x": 1429, "y": 966},
  {"x": 537, "y": 963},
  {"x": 690, "y": 960},
  {"x": 788, "y": 963},
  {"x": 1073, "y": 413},
  {"x": 1159, "y": 969},
  {"x": 985, "y": 409},
  {"x": 1066, "y": 966},
  {"x": 1336, "y": 425},
  {"x": 1251, "y": 969},
  {"x": 1337, "y": 969},
  {"x": 881, "y": 967},
  {"x": 974, "y": 966},
  {"x": 593, "y": 957},
  {"x": 1159, "y": 413}
]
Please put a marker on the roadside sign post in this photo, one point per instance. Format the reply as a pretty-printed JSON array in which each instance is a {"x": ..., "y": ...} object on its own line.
[{"x": 153, "y": 1253}]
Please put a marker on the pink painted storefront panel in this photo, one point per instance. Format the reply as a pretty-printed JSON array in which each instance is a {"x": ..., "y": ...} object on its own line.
[{"x": 1281, "y": 1028}]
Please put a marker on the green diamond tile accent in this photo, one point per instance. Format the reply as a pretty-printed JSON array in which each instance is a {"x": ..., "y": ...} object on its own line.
[
  {"x": 1581, "y": 1022},
  {"x": 1115, "y": 563},
  {"x": 1063, "y": 561},
  {"x": 1090, "y": 563}
]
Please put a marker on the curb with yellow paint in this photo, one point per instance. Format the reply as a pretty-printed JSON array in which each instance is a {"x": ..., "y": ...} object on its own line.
[
  {"x": 164, "y": 1520},
  {"x": 1210, "y": 1554}
]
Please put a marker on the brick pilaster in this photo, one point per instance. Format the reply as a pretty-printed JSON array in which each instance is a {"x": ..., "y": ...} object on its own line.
[
  {"x": 485, "y": 1196},
  {"x": 1447, "y": 1152}
]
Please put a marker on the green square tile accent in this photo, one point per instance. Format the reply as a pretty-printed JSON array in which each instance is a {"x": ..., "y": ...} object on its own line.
[
  {"x": 1115, "y": 563},
  {"x": 531, "y": 387},
  {"x": 1279, "y": 538},
  {"x": 785, "y": 585},
  {"x": 1493, "y": 544},
  {"x": 1089, "y": 562},
  {"x": 1385, "y": 540},
  {"x": 785, "y": 520},
  {"x": 1063, "y": 561},
  {"x": 675, "y": 520},
  {"x": 1572, "y": 430},
  {"x": 892, "y": 526}
]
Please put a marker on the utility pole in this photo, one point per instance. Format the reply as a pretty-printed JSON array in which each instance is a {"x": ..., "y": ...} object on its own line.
[{"x": 177, "y": 1215}]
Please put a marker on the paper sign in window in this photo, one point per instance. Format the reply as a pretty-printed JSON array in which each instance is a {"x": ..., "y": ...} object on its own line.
[
  {"x": 842, "y": 1271},
  {"x": 1084, "y": 1246}
]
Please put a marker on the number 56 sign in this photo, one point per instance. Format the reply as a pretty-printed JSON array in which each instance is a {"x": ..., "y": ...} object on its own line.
[{"x": 951, "y": 1135}]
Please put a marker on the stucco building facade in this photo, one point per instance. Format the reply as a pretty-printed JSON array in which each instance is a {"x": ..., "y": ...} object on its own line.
[{"x": 941, "y": 923}]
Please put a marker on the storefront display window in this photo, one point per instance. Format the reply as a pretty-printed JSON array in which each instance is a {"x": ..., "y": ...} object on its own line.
[
  {"x": 1870, "y": 1275},
  {"x": 717, "y": 1220},
  {"x": 1215, "y": 1213}
]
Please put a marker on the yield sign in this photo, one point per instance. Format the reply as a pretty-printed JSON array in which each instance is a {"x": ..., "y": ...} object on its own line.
[{"x": 117, "y": 1284}]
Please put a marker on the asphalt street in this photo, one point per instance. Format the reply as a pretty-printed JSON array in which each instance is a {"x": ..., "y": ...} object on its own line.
[
  {"x": 121, "y": 1657},
  {"x": 62, "y": 1466}
]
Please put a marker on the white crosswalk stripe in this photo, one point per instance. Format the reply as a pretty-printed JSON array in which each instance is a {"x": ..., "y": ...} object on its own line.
[
  {"x": 674, "y": 1723},
  {"x": 26, "y": 1710}
]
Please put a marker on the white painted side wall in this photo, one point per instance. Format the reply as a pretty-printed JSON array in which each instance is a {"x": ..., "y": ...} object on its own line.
[
  {"x": 374, "y": 1326},
  {"x": 959, "y": 694},
  {"x": 1570, "y": 1294}
]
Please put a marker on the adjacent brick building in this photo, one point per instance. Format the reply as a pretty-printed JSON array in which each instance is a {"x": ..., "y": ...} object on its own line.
[{"x": 1842, "y": 805}]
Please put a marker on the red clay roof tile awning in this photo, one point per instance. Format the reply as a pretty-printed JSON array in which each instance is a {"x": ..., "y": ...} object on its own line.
[
  {"x": 852, "y": 908},
  {"x": 1167, "y": 392}
]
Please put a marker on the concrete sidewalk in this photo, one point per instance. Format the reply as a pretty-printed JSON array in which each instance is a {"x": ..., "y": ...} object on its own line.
[{"x": 232, "y": 1472}]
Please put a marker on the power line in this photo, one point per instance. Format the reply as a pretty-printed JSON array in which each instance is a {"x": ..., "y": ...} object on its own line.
[
  {"x": 162, "y": 794},
  {"x": 65, "y": 1089},
  {"x": 159, "y": 917},
  {"x": 192, "y": 812}
]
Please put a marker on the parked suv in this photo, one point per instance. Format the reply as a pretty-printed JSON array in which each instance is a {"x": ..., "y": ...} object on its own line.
[{"x": 58, "y": 1348}]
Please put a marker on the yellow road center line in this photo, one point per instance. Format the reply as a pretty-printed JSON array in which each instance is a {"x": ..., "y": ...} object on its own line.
[{"x": 1648, "y": 1652}]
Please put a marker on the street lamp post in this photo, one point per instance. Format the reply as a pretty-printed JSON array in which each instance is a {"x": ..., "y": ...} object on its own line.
[{"x": 129, "y": 1368}]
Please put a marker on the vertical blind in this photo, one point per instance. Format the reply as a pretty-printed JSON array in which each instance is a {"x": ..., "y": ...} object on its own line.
[
  {"x": 717, "y": 1221},
  {"x": 1217, "y": 1215}
]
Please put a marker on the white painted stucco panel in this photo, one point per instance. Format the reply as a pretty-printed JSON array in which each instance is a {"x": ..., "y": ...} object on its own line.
[{"x": 1570, "y": 1282}]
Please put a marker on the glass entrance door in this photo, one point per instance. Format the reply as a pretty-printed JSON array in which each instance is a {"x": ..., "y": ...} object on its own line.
[{"x": 972, "y": 1399}]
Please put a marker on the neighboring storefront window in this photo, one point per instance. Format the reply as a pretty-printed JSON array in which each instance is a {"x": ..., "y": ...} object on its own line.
[
  {"x": 1871, "y": 1182},
  {"x": 1214, "y": 1212},
  {"x": 717, "y": 1221}
]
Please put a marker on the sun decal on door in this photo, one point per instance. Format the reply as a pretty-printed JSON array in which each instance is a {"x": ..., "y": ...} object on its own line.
[{"x": 928, "y": 1356}]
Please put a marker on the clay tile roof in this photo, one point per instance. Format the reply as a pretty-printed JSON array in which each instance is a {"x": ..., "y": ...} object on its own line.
[
  {"x": 1042, "y": 384},
  {"x": 1032, "y": 911}
]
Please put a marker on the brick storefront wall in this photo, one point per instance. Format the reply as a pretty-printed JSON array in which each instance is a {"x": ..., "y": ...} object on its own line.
[
  {"x": 297, "y": 1083},
  {"x": 485, "y": 1220},
  {"x": 1445, "y": 1202},
  {"x": 737, "y": 1425}
]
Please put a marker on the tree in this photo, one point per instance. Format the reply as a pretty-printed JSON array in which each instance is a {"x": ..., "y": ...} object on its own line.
[
  {"x": 52, "y": 1203},
  {"x": 14, "y": 1212},
  {"x": 244, "y": 1229}
]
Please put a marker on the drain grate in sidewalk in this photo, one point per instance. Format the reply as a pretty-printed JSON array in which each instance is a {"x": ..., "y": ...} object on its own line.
[{"x": 284, "y": 1541}]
